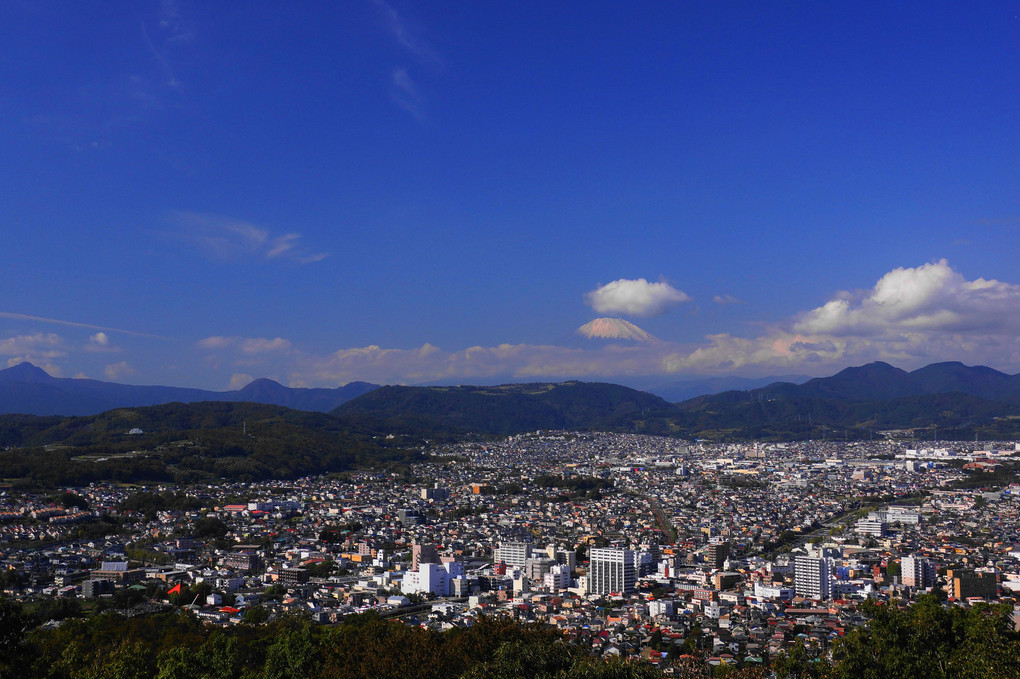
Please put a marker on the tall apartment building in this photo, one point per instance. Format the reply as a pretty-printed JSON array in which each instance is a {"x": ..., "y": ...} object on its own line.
[
  {"x": 513, "y": 554},
  {"x": 611, "y": 570},
  {"x": 423, "y": 554},
  {"x": 812, "y": 577},
  {"x": 917, "y": 571},
  {"x": 717, "y": 554}
]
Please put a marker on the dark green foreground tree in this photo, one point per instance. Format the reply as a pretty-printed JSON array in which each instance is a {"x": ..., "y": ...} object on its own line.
[
  {"x": 931, "y": 641},
  {"x": 925, "y": 640}
]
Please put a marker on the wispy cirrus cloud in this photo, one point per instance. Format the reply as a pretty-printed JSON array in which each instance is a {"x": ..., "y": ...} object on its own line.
[
  {"x": 405, "y": 94},
  {"x": 75, "y": 324},
  {"x": 406, "y": 33},
  {"x": 410, "y": 37},
  {"x": 228, "y": 239}
]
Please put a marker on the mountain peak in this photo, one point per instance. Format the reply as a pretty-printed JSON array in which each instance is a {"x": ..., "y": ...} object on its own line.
[
  {"x": 262, "y": 386},
  {"x": 24, "y": 372},
  {"x": 613, "y": 329}
]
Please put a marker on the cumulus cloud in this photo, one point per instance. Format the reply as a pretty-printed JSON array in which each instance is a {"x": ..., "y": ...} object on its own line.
[
  {"x": 246, "y": 345},
  {"x": 53, "y": 369},
  {"x": 911, "y": 317},
  {"x": 100, "y": 343},
  {"x": 217, "y": 342},
  {"x": 239, "y": 381},
  {"x": 225, "y": 238},
  {"x": 35, "y": 347},
  {"x": 634, "y": 297},
  {"x": 514, "y": 362},
  {"x": 116, "y": 371},
  {"x": 261, "y": 345},
  {"x": 929, "y": 298}
]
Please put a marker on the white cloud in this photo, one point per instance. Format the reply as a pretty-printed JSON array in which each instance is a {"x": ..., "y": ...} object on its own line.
[
  {"x": 261, "y": 345},
  {"x": 926, "y": 299},
  {"x": 407, "y": 34},
  {"x": 225, "y": 238},
  {"x": 33, "y": 347},
  {"x": 100, "y": 343},
  {"x": 911, "y": 317},
  {"x": 51, "y": 368},
  {"x": 116, "y": 371},
  {"x": 217, "y": 342},
  {"x": 405, "y": 93},
  {"x": 726, "y": 299},
  {"x": 73, "y": 324},
  {"x": 505, "y": 361},
  {"x": 239, "y": 381},
  {"x": 634, "y": 297},
  {"x": 246, "y": 345}
]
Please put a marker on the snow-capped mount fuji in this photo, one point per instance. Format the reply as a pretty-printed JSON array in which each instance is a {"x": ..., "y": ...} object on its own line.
[{"x": 614, "y": 330}]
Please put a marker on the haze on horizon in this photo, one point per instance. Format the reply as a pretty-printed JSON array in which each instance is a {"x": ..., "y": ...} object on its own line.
[{"x": 400, "y": 192}]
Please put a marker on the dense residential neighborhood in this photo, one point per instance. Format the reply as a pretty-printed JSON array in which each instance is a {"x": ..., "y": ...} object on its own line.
[{"x": 633, "y": 546}]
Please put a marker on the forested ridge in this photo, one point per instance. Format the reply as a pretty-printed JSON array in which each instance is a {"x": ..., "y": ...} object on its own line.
[
  {"x": 926, "y": 639},
  {"x": 187, "y": 443}
]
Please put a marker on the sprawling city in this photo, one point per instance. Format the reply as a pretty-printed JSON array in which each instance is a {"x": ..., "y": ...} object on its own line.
[{"x": 638, "y": 547}]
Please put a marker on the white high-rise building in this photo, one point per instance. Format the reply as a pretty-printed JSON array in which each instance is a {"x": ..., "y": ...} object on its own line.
[
  {"x": 812, "y": 577},
  {"x": 611, "y": 570},
  {"x": 433, "y": 578},
  {"x": 513, "y": 554}
]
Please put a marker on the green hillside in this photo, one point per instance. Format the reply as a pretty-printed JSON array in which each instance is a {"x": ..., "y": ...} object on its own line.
[
  {"x": 507, "y": 409},
  {"x": 186, "y": 443}
]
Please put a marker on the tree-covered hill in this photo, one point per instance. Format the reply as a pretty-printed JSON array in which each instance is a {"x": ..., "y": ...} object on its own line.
[
  {"x": 186, "y": 443},
  {"x": 508, "y": 408}
]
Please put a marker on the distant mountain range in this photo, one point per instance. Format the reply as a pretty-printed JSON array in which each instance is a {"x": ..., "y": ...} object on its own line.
[
  {"x": 26, "y": 389},
  {"x": 950, "y": 399},
  {"x": 676, "y": 391},
  {"x": 882, "y": 382}
]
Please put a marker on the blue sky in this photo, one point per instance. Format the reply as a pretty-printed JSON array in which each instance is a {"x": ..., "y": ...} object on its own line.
[{"x": 406, "y": 192}]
